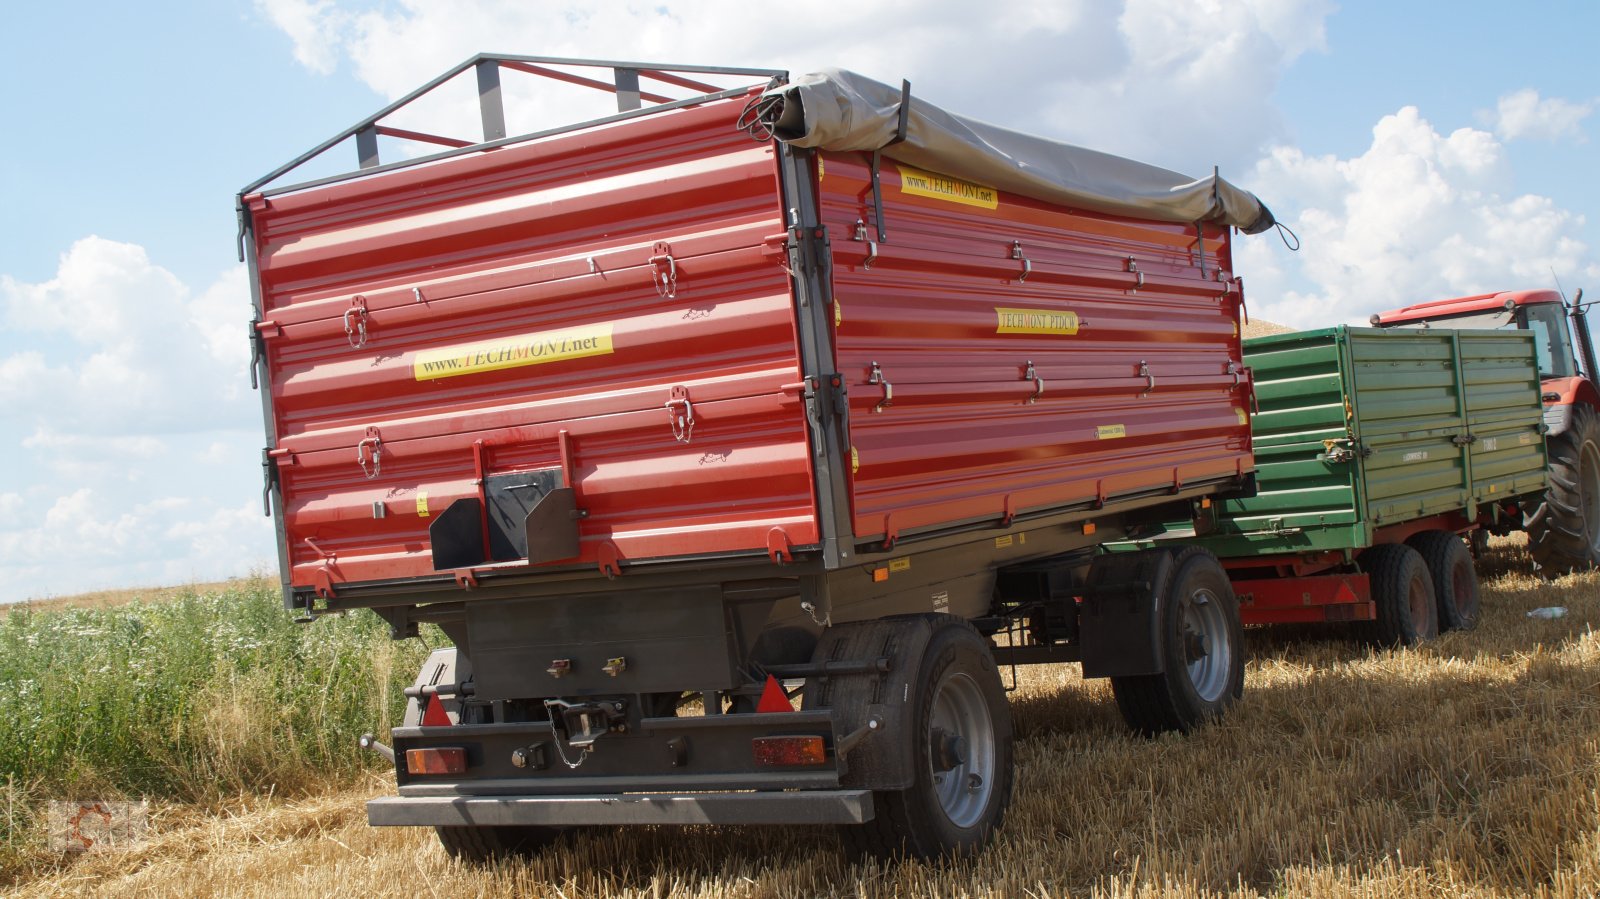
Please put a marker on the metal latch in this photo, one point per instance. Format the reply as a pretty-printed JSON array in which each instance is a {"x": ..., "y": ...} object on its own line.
[
  {"x": 680, "y": 414},
  {"x": 1027, "y": 267},
  {"x": 1133, "y": 269},
  {"x": 872, "y": 245},
  {"x": 1237, "y": 370},
  {"x": 876, "y": 377},
  {"x": 1342, "y": 450},
  {"x": 666, "y": 273},
  {"x": 1150, "y": 379},
  {"x": 1029, "y": 374},
  {"x": 355, "y": 322},
  {"x": 256, "y": 352},
  {"x": 1464, "y": 439},
  {"x": 269, "y": 476},
  {"x": 259, "y": 332},
  {"x": 369, "y": 453}
]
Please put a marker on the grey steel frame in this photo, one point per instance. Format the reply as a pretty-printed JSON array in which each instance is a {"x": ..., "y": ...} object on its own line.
[
  {"x": 625, "y": 84},
  {"x": 798, "y": 807}
]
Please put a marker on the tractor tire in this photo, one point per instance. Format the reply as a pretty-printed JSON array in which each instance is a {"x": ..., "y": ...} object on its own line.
[
  {"x": 961, "y": 739},
  {"x": 1402, "y": 589},
  {"x": 1202, "y": 645},
  {"x": 1563, "y": 525},
  {"x": 1455, "y": 581}
]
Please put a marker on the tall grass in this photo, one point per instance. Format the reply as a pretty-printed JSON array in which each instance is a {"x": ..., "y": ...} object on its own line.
[{"x": 194, "y": 699}]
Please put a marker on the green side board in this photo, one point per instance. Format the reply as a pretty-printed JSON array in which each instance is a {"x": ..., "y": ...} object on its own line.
[{"x": 1359, "y": 428}]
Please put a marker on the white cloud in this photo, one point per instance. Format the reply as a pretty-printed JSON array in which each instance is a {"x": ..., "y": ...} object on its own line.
[
  {"x": 315, "y": 26},
  {"x": 215, "y": 454},
  {"x": 132, "y": 350},
  {"x": 1523, "y": 114},
  {"x": 1197, "y": 86},
  {"x": 1178, "y": 82},
  {"x": 138, "y": 446},
  {"x": 1419, "y": 215},
  {"x": 130, "y": 447},
  {"x": 76, "y": 458},
  {"x": 87, "y": 539}
]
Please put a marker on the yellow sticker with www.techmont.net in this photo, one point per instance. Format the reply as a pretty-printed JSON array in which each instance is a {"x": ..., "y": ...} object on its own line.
[
  {"x": 499, "y": 353},
  {"x": 918, "y": 183}
]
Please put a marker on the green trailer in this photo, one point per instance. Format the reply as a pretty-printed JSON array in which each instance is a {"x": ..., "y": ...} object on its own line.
[{"x": 1379, "y": 453}]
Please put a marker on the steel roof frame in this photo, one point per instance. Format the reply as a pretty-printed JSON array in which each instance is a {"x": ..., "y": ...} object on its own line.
[{"x": 625, "y": 84}]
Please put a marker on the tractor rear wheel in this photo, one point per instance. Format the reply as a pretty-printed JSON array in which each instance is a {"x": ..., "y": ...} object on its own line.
[{"x": 1564, "y": 524}]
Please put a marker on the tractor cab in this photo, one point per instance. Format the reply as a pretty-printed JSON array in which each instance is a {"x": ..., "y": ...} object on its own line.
[{"x": 1544, "y": 312}]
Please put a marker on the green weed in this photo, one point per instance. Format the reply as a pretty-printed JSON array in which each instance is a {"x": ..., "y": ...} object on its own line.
[{"x": 193, "y": 699}]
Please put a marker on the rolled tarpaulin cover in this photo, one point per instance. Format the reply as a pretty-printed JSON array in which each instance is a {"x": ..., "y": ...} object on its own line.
[{"x": 840, "y": 110}]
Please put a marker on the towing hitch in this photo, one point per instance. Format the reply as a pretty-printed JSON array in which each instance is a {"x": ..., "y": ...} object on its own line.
[{"x": 580, "y": 724}]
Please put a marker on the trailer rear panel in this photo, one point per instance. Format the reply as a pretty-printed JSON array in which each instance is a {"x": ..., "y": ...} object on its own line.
[
  {"x": 502, "y": 315},
  {"x": 1360, "y": 428}
]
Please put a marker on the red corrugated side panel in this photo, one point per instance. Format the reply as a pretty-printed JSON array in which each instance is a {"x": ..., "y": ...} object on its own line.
[
  {"x": 460, "y": 316},
  {"x": 1031, "y": 356}
]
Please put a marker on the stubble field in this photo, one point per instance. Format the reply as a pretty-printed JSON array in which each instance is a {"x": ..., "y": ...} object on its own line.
[{"x": 1467, "y": 767}]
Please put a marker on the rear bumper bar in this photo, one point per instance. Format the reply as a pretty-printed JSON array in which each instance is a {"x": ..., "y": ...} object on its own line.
[{"x": 794, "y": 807}]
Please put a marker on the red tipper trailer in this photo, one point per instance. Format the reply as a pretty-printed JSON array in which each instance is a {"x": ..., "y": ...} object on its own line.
[{"x": 663, "y": 415}]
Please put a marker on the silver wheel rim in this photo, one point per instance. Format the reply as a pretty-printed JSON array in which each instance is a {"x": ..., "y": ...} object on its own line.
[
  {"x": 1589, "y": 493},
  {"x": 960, "y": 712},
  {"x": 1207, "y": 643}
]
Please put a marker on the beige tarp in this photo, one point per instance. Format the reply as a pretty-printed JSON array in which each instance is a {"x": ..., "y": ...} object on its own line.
[{"x": 839, "y": 110}]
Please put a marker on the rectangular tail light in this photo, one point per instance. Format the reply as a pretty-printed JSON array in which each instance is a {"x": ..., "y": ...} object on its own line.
[
  {"x": 450, "y": 760},
  {"x": 789, "y": 751}
]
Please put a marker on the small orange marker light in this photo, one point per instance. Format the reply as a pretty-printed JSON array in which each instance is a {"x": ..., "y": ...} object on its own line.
[
  {"x": 1088, "y": 527},
  {"x": 451, "y": 760},
  {"x": 784, "y": 751},
  {"x": 879, "y": 575},
  {"x": 1205, "y": 502}
]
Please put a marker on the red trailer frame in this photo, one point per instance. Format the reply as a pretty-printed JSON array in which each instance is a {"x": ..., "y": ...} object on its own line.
[{"x": 1305, "y": 589}]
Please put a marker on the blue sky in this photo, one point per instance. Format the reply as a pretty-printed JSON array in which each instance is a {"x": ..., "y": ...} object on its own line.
[{"x": 1420, "y": 150}]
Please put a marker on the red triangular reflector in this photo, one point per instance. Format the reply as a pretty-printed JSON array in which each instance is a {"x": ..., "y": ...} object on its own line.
[
  {"x": 773, "y": 699},
  {"x": 1346, "y": 593},
  {"x": 433, "y": 714}
]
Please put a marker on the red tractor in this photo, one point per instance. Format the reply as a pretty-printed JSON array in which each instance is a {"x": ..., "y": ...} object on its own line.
[{"x": 1564, "y": 526}]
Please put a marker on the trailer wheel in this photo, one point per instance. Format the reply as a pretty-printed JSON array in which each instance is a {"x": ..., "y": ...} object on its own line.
[
  {"x": 1202, "y": 646},
  {"x": 1455, "y": 582},
  {"x": 489, "y": 842},
  {"x": 961, "y": 742},
  {"x": 1402, "y": 589},
  {"x": 1563, "y": 524}
]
